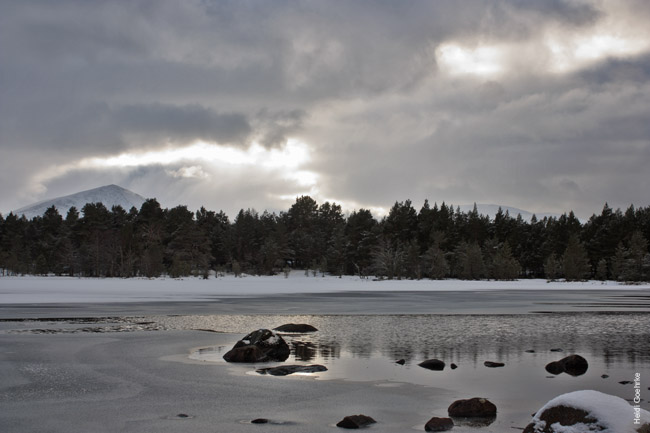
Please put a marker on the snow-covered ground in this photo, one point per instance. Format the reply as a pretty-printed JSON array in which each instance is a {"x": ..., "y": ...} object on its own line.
[{"x": 43, "y": 290}]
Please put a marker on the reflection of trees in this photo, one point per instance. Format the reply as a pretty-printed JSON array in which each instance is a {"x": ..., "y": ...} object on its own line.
[
  {"x": 609, "y": 338},
  {"x": 308, "y": 351},
  {"x": 304, "y": 350},
  {"x": 475, "y": 338}
]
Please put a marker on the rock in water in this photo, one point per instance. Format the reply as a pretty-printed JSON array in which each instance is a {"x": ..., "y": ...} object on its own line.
[
  {"x": 285, "y": 370},
  {"x": 401, "y": 361},
  {"x": 439, "y": 424},
  {"x": 262, "y": 345},
  {"x": 433, "y": 364},
  {"x": 575, "y": 365},
  {"x": 473, "y": 407},
  {"x": 355, "y": 421},
  {"x": 260, "y": 421},
  {"x": 493, "y": 364},
  {"x": 295, "y": 327},
  {"x": 588, "y": 411}
]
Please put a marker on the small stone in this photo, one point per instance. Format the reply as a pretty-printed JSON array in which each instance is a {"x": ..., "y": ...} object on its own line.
[
  {"x": 493, "y": 364},
  {"x": 529, "y": 351},
  {"x": 285, "y": 370},
  {"x": 296, "y": 327},
  {"x": 260, "y": 421},
  {"x": 401, "y": 362},
  {"x": 183, "y": 415},
  {"x": 433, "y": 364},
  {"x": 625, "y": 382},
  {"x": 557, "y": 350},
  {"x": 439, "y": 424},
  {"x": 604, "y": 376},
  {"x": 355, "y": 421},
  {"x": 453, "y": 366}
]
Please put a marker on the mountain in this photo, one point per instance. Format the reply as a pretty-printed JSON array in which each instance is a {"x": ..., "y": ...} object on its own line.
[
  {"x": 492, "y": 209},
  {"x": 109, "y": 195}
]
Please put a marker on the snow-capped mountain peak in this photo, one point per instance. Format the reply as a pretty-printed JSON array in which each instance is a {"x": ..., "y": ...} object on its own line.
[{"x": 109, "y": 195}]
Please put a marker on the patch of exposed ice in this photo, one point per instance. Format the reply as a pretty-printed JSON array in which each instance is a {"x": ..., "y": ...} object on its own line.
[{"x": 45, "y": 290}]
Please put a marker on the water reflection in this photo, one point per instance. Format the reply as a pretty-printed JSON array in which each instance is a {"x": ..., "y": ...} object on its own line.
[{"x": 612, "y": 338}]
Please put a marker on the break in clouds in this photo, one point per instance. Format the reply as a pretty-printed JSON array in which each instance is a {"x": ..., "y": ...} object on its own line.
[{"x": 234, "y": 104}]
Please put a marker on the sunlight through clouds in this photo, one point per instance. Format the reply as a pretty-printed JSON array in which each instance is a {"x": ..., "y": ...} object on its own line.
[
  {"x": 480, "y": 61},
  {"x": 200, "y": 159}
]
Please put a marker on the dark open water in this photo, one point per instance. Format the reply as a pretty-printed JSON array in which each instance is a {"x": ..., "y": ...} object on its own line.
[{"x": 365, "y": 348}]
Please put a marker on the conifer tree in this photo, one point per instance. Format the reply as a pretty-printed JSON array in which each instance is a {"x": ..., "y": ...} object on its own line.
[{"x": 575, "y": 263}]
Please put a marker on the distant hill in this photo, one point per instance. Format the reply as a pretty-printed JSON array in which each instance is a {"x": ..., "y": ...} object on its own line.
[
  {"x": 109, "y": 195},
  {"x": 492, "y": 209}
]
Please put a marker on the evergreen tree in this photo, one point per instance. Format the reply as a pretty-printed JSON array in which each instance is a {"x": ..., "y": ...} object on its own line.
[
  {"x": 504, "y": 265},
  {"x": 436, "y": 266},
  {"x": 469, "y": 260},
  {"x": 388, "y": 262},
  {"x": 304, "y": 235},
  {"x": 552, "y": 268},
  {"x": 634, "y": 267},
  {"x": 601, "y": 270},
  {"x": 575, "y": 262},
  {"x": 361, "y": 237}
]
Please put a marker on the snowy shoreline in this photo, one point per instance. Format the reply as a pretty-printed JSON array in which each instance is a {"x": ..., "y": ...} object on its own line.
[{"x": 50, "y": 289}]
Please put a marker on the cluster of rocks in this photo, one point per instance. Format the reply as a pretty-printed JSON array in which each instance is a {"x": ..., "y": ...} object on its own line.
[
  {"x": 479, "y": 410},
  {"x": 461, "y": 410},
  {"x": 264, "y": 345}
]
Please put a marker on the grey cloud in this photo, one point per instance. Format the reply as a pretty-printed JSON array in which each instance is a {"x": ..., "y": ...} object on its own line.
[
  {"x": 182, "y": 123},
  {"x": 357, "y": 81},
  {"x": 275, "y": 127}
]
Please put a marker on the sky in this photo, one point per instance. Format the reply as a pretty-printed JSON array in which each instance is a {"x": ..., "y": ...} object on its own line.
[{"x": 542, "y": 105}]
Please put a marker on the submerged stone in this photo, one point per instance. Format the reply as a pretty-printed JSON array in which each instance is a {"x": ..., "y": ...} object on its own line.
[
  {"x": 295, "y": 327},
  {"x": 285, "y": 370},
  {"x": 355, "y": 421}
]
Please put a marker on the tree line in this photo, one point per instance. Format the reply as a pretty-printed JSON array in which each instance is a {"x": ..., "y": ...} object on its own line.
[{"x": 435, "y": 242}]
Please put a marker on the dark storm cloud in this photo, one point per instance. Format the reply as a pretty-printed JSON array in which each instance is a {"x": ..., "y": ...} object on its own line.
[{"x": 360, "y": 82}]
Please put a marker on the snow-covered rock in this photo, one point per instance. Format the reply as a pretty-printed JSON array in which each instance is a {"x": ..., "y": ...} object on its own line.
[
  {"x": 262, "y": 345},
  {"x": 588, "y": 411}
]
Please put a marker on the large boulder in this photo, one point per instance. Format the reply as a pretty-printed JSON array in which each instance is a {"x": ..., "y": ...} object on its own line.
[
  {"x": 296, "y": 327},
  {"x": 262, "y": 345},
  {"x": 588, "y": 411},
  {"x": 575, "y": 365},
  {"x": 433, "y": 364},
  {"x": 472, "y": 408},
  {"x": 355, "y": 421}
]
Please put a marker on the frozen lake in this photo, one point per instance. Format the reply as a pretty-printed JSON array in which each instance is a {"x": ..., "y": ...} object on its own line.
[{"x": 160, "y": 333}]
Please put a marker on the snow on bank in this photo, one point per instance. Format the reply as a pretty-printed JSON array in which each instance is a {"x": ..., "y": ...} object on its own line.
[
  {"x": 612, "y": 413},
  {"x": 33, "y": 289}
]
